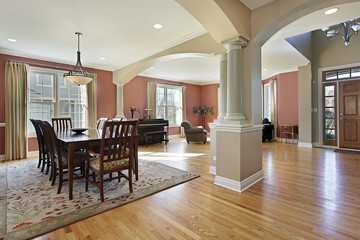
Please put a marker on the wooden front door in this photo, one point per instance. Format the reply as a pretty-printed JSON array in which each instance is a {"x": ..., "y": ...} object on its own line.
[{"x": 349, "y": 110}]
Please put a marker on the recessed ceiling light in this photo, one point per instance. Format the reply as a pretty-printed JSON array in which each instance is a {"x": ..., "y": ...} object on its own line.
[
  {"x": 331, "y": 11},
  {"x": 152, "y": 68},
  {"x": 157, "y": 26},
  {"x": 265, "y": 69},
  {"x": 208, "y": 79},
  {"x": 102, "y": 58},
  {"x": 11, "y": 40}
]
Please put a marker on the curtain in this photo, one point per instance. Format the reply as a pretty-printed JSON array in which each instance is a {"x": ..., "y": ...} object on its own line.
[
  {"x": 273, "y": 105},
  {"x": 16, "y": 111},
  {"x": 91, "y": 100},
  {"x": 183, "y": 90},
  {"x": 152, "y": 98}
]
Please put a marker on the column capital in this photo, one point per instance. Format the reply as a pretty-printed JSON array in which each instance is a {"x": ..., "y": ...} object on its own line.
[
  {"x": 119, "y": 84},
  {"x": 221, "y": 55},
  {"x": 235, "y": 43}
]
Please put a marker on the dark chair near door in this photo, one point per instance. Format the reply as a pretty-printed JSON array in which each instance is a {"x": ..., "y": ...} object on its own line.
[
  {"x": 119, "y": 157},
  {"x": 44, "y": 159},
  {"x": 61, "y": 124},
  {"x": 194, "y": 134},
  {"x": 59, "y": 157}
]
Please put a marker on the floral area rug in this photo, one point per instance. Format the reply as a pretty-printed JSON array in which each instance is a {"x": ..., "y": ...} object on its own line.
[{"x": 30, "y": 206}]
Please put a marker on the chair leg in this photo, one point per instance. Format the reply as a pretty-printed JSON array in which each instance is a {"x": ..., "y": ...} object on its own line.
[
  {"x": 47, "y": 164},
  {"x": 39, "y": 159},
  {"x": 87, "y": 176},
  {"x": 101, "y": 187},
  {"x": 119, "y": 177},
  {"x": 130, "y": 181},
  {"x": 53, "y": 170},
  {"x": 60, "y": 180}
]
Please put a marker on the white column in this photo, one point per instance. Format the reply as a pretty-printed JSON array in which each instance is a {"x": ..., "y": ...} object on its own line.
[
  {"x": 223, "y": 86},
  {"x": 119, "y": 100},
  {"x": 234, "y": 79}
]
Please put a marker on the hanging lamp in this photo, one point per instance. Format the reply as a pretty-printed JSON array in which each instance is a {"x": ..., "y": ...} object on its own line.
[
  {"x": 78, "y": 75},
  {"x": 348, "y": 28}
]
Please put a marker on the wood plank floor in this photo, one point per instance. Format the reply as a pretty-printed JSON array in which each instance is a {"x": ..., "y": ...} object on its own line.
[{"x": 306, "y": 194}]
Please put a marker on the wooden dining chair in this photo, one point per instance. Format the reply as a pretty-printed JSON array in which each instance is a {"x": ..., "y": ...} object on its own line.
[
  {"x": 59, "y": 157},
  {"x": 118, "y": 157},
  {"x": 61, "y": 124},
  {"x": 43, "y": 153},
  {"x": 101, "y": 122}
]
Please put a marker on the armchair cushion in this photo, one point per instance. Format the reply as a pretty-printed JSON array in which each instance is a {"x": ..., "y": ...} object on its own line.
[{"x": 194, "y": 134}]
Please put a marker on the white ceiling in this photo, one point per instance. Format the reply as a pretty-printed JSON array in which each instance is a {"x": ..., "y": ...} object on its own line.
[{"x": 120, "y": 31}]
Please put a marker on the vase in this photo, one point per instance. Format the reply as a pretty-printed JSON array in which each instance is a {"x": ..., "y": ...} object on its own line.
[{"x": 132, "y": 114}]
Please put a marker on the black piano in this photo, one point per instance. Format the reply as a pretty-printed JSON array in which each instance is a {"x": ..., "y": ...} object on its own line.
[{"x": 153, "y": 131}]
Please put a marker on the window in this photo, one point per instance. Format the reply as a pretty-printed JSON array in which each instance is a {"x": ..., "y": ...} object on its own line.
[
  {"x": 329, "y": 114},
  {"x": 267, "y": 102},
  {"x": 169, "y": 103},
  {"x": 50, "y": 95},
  {"x": 341, "y": 74}
]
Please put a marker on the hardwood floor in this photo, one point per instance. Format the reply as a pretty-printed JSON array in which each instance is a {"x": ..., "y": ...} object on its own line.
[{"x": 306, "y": 194}]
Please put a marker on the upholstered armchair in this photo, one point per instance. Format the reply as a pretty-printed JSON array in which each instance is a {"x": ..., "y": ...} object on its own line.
[{"x": 194, "y": 134}]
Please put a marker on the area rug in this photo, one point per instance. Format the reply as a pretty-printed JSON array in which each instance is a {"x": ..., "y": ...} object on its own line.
[{"x": 30, "y": 206}]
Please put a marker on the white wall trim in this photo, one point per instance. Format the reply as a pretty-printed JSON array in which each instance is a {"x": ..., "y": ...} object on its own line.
[
  {"x": 2, "y": 157},
  {"x": 174, "y": 136},
  {"x": 33, "y": 154},
  {"x": 238, "y": 129},
  {"x": 239, "y": 186},
  {"x": 2, "y": 124},
  {"x": 212, "y": 170},
  {"x": 305, "y": 144}
]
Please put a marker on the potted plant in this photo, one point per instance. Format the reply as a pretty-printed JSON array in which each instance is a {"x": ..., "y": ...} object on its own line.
[{"x": 203, "y": 110}]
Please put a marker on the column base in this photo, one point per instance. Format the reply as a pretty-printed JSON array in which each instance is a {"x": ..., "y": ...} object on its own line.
[
  {"x": 221, "y": 116},
  {"x": 235, "y": 117},
  {"x": 238, "y": 156}
]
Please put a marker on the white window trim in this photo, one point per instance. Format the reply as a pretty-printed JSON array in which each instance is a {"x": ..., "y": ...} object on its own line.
[
  {"x": 168, "y": 86},
  {"x": 55, "y": 72}
]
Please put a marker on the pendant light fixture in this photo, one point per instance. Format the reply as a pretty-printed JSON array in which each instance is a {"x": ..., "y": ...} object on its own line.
[
  {"x": 78, "y": 75},
  {"x": 344, "y": 30}
]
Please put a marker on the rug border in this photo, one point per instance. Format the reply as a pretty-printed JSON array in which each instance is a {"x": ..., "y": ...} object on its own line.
[{"x": 38, "y": 229}]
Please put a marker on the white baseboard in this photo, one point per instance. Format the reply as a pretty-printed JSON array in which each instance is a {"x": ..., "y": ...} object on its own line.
[
  {"x": 305, "y": 145},
  {"x": 174, "y": 136},
  {"x": 239, "y": 186},
  {"x": 33, "y": 154},
  {"x": 2, "y": 157},
  {"x": 212, "y": 170}
]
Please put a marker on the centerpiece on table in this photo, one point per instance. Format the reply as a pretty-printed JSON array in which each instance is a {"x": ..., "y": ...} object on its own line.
[{"x": 132, "y": 110}]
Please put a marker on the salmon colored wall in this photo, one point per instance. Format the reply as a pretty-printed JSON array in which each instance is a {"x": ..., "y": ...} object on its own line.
[
  {"x": 287, "y": 99},
  {"x": 209, "y": 97},
  {"x": 106, "y": 94},
  {"x": 135, "y": 95}
]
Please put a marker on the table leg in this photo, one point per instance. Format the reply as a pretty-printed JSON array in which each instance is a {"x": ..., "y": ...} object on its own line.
[
  {"x": 71, "y": 169},
  {"x": 136, "y": 159}
]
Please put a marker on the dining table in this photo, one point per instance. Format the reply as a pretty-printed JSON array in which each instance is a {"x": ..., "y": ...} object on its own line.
[{"x": 91, "y": 138}]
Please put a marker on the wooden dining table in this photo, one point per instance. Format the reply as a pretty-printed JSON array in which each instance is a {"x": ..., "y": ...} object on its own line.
[{"x": 91, "y": 138}]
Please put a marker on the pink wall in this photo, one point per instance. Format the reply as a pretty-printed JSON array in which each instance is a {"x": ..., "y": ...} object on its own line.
[
  {"x": 106, "y": 94},
  {"x": 287, "y": 99},
  {"x": 209, "y": 97},
  {"x": 135, "y": 95}
]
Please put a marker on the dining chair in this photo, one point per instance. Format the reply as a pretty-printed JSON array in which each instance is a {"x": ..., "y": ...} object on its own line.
[
  {"x": 101, "y": 122},
  {"x": 118, "y": 157},
  {"x": 43, "y": 153},
  {"x": 61, "y": 124},
  {"x": 59, "y": 157}
]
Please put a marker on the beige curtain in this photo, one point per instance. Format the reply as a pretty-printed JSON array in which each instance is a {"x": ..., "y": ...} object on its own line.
[
  {"x": 273, "y": 106},
  {"x": 152, "y": 98},
  {"x": 91, "y": 100},
  {"x": 183, "y": 90},
  {"x": 16, "y": 111}
]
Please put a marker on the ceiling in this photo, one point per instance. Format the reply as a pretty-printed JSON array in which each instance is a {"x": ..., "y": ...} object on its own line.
[{"x": 122, "y": 32}]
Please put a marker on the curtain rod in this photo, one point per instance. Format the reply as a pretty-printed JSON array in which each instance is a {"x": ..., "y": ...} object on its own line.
[
  {"x": 42, "y": 64},
  {"x": 179, "y": 85}
]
